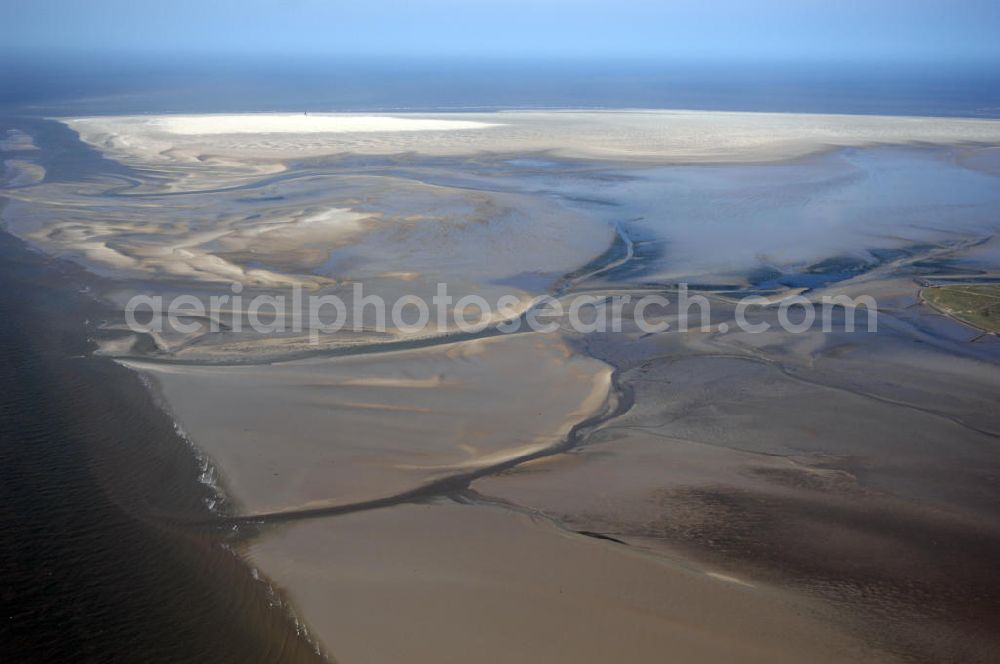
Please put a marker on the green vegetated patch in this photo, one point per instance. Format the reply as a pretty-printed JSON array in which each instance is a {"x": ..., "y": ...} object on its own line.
[{"x": 978, "y": 306}]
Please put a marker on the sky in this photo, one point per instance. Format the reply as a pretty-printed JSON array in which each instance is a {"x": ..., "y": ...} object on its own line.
[{"x": 851, "y": 30}]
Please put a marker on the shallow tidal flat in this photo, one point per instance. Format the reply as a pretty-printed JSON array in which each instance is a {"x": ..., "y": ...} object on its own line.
[
  {"x": 324, "y": 433},
  {"x": 707, "y": 496}
]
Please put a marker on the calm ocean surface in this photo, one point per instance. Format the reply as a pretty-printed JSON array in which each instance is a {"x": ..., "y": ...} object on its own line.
[{"x": 82, "y": 85}]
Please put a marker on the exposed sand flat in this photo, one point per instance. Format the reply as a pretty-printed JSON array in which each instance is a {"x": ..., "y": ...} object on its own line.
[
  {"x": 296, "y": 123},
  {"x": 335, "y": 431},
  {"x": 446, "y": 583},
  {"x": 147, "y": 239},
  {"x": 21, "y": 173},
  {"x": 15, "y": 140},
  {"x": 219, "y": 150},
  {"x": 396, "y": 235},
  {"x": 664, "y": 136}
]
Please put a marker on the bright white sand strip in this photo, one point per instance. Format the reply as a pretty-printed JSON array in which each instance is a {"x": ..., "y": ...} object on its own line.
[{"x": 301, "y": 123}]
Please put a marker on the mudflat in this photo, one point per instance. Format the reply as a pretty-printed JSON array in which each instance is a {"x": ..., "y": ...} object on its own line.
[{"x": 820, "y": 494}]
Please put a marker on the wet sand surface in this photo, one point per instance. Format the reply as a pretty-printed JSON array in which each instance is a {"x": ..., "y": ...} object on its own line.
[
  {"x": 445, "y": 583},
  {"x": 360, "y": 428},
  {"x": 798, "y": 471},
  {"x": 698, "y": 496}
]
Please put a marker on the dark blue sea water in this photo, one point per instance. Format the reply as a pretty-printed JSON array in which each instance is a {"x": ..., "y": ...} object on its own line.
[{"x": 70, "y": 85}]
